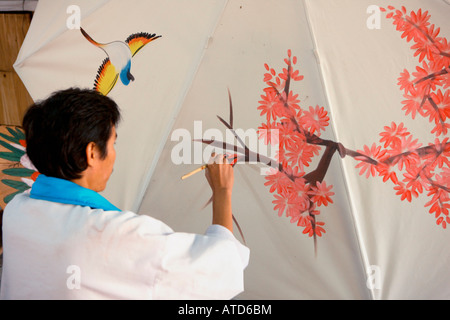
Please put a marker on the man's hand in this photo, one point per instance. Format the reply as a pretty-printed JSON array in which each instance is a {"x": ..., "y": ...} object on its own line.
[{"x": 220, "y": 176}]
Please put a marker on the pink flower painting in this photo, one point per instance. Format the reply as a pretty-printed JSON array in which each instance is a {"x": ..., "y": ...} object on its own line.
[{"x": 300, "y": 192}]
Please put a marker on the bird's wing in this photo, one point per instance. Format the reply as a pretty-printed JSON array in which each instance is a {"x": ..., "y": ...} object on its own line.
[
  {"x": 106, "y": 77},
  {"x": 137, "y": 40}
]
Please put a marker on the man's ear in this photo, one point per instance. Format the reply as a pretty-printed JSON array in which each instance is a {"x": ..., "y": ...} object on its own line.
[{"x": 91, "y": 153}]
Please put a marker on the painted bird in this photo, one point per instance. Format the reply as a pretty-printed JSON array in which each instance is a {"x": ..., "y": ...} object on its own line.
[{"x": 117, "y": 64}]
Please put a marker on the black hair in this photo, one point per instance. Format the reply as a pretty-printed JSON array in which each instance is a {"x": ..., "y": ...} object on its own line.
[{"x": 59, "y": 128}]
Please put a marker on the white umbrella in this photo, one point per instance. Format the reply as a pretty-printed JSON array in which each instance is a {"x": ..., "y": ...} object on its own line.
[
  {"x": 365, "y": 244},
  {"x": 382, "y": 66},
  {"x": 56, "y": 55}
]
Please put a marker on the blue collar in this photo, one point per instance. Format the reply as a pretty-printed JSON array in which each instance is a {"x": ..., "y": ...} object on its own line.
[{"x": 65, "y": 191}]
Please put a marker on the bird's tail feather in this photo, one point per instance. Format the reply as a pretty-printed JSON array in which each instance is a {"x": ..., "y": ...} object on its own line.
[{"x": 88, "y": 37}]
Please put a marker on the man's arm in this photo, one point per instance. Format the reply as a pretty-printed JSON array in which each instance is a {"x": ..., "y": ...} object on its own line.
[{"x": 220, "y": 176}]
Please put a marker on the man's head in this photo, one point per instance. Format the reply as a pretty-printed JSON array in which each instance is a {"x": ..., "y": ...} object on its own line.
[{"x": 65, "y": 131}]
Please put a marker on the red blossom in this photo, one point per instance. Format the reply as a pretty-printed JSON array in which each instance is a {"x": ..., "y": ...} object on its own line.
[
  {"x": 301, "y": 186},
  {"x": 287, "y": 134},
  {"x": 297, "y": 194},
  {"x": 291, "y": 191},
  {"x": 392, "y": 135},
  {"x": 412, "y": 178},
  {"x": 280, "y": 203},
  {"x": 441, "y": 128},
  {"x": 442, "y": 102},
  {"x": 405, "y": 152},
  {"x": 426, "y": 45},
  {"x": 293, "y": 74},
  {"x": 415, "y": 26},
  {"x": 287, "y": 202},
  {"x": 375, "y": 153},
  {"x": 300, "y": 154},
  {"x": 387, "y": 172},
  {"x": 303, "y": 219},
  {"x": 443, "y": 59},
  {"x": 422, "y": 80},
  {"x": 443, "y": 222},
  {"x": 315, "y": 229},
  {"x": 278, "y": 182},
  {"x": 420, "y": 19},
  {"x": 408, "y": 144},
  {"x": 269, "y": 133},
  {"x": 414, "y": 103},
  {"x": 442, "y": 154},
  {"x": 399, "y": 19},
  {"x": 439, "y": 205},
  {"x": 404, "y": 192},
  {"x": 270, "y": 105},
  {"x": 315, "y": 120},
  {"x": 275, "y": 87},
  {"x": 422, "y": 169},
  {"x": 300, "y": 214},
  {"x": 290, "y": 105},
  {"x": 405, "y": 83},
  {"x": 426, "y": 94},
  {"x": 321, "y": 194},
  {"x": 443, "y": 179}
]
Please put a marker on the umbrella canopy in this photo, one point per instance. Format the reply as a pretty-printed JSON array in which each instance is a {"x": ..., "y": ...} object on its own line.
[
  {"x": 309, "y": 89},
  {"x": 58, "y": 55}
]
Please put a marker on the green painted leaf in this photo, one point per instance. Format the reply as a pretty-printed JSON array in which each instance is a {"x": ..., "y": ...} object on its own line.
[
  {"x": 10, "y": 156},
  {"x": 10, "y": 196},
  {"x": 18, "y": 172},
  {"x": 9, "y": 138},
  {"x": 19, "y": 185},
  {"x": 16, "y": 132},
  {"x": 16, "y": 135},
  {"x": 9, "y": 146}
]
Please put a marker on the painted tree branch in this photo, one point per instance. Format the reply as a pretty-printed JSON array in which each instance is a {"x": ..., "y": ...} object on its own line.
[{"x": 299, "y": 194}]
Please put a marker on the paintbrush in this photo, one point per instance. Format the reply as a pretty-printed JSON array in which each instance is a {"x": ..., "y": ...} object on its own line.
[{"x": 190, "y": 174}]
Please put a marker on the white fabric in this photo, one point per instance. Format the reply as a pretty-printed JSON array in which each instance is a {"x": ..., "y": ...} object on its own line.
[
  {"x": 54, "y": 57},
  {"x": 118, "y": 255},
  {"x": 399, "y": 240},
  {"x": 283, "y": 264},
  {"x": 209, "y": 46}
]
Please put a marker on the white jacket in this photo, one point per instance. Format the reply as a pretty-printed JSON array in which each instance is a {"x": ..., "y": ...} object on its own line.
[{"x": 65, "y": 251}]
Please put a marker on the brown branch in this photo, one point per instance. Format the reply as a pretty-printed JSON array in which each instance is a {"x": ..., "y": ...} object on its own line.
[
  {"x": 421, "y": 152},
  {"x": 433, "y": 183},
  {"x": 432, "y": 76},
  {"x": 319, "y": 174},
  {"x": 436, "y": 109},
  {"x": 288, "y": 80},
  {"x": 442, "y": 53},
  {"x": 248, "y": 155}
]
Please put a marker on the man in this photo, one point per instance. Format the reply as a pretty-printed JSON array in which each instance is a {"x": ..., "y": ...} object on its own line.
[{"x": 63, "y": 240}]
